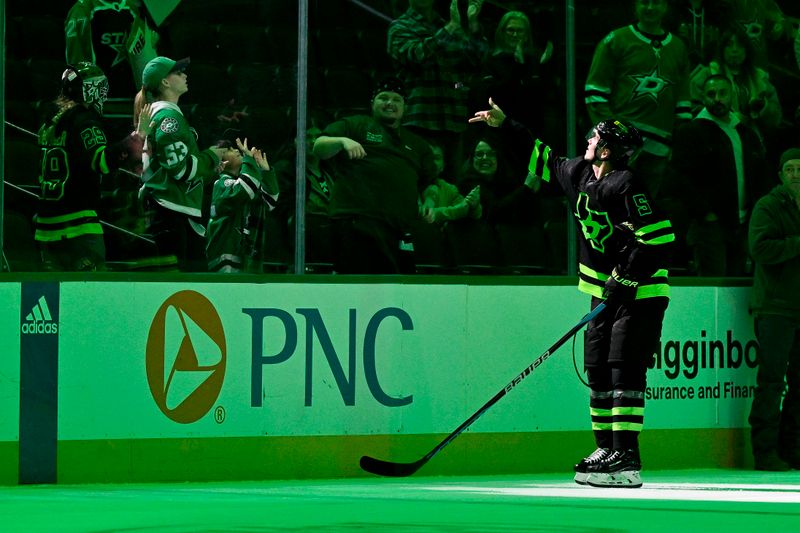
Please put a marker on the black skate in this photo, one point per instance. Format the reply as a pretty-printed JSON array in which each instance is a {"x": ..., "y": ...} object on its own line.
[
  {"x": 581, "y": 469},
  {"x": 620, "y": 469}
]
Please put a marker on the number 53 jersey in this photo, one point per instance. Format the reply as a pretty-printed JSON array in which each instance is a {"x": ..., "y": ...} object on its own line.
[
  {"x": 175, "y": 169},
  {"x": 620, "y": 228}
]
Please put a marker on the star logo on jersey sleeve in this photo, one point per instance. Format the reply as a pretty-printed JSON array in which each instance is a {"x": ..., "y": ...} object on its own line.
[
  {"x": 169, "y": 125},
  {"x": 650, "y": 85}
]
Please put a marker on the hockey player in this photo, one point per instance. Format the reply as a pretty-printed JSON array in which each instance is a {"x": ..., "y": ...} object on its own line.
[
  {"x": 75, "y": 156},
  {"x": 624, "y": 245},
  {"x": 175, "y": 170},
  {"x": 246, "y": 189}
]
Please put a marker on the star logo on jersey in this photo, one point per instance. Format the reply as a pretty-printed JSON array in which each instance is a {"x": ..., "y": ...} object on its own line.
[
  {"x": 595, "y": 225},
  {"x": 120, "y": 57},
  {"x": 169, "y": 125},
  {"x": 649, "y": 85},
  {"x": 753, "y": 29},
  {"x": 193, "y": 185},
  {"x": 116, "y": 41}
]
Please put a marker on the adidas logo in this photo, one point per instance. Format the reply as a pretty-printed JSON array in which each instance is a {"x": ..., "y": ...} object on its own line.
[{"x": 39, "y": 320}]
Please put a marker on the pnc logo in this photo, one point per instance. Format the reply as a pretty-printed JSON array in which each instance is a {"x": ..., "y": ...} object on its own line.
[{"x": 185, "y": 356}]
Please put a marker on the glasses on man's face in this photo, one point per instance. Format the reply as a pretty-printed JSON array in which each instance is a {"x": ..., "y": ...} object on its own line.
[{"x": 489, "y": 154}]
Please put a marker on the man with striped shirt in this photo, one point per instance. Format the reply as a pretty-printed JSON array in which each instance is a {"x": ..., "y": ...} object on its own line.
[{"x": 436, "y": 59}]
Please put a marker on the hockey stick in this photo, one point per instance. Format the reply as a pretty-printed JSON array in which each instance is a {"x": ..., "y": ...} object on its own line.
[{"x": 394, "y": 469}]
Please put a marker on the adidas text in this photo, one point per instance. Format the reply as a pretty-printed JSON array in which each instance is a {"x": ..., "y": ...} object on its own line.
[{"x": 38, "y": 328}]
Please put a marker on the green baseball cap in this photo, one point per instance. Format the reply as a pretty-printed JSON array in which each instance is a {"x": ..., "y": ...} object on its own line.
[
  {"x": 788, "y": 155},
  {"x": 159, "y": 68}
]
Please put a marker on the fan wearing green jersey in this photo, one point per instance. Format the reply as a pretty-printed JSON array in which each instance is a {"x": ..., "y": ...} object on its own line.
[
  {"x": 175, "y": 170},
  {"x": 243, "y": 194}
]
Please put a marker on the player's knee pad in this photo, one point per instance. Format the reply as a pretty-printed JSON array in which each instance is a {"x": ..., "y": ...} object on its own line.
[
  {"x": 631, "y": 377},
  {"x": 599, "y": 378}
]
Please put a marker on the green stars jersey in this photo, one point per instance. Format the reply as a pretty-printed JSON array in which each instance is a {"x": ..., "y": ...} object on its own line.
[
  {"x": 235, "y": 235},
  {"x": 174, "y": 167},
  {"x": 620, "y": 227},
  {"x": 642, "y": 80},
  {"x": 114, "y": 35}
]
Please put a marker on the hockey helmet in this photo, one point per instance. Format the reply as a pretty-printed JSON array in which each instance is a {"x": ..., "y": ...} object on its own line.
[
  {"x": 86, "y": 83},
  {"x": 621, "y": 138}
]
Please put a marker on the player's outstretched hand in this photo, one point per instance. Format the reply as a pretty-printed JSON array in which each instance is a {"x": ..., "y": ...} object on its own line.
[{"x": 494, "y": 117}]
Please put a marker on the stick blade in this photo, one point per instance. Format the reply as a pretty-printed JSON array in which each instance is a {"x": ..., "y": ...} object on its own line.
[{"x": 380, "y": 467}]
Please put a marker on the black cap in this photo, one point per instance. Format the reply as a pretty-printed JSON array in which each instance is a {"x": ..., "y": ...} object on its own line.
[{"x": 389, "y": 84}]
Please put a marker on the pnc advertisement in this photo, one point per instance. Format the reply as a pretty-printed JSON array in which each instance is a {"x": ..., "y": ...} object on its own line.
[{"x": 155, "y": 360}]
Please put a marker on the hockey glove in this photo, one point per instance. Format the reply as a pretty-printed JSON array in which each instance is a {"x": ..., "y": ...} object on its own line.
[{"x": 619, "y": 290}]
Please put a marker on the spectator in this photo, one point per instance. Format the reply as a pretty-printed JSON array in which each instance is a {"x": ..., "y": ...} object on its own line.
[
  {"x": 797, "y": 58},
  {"x": 442, "y": 202},
  {"x": 753, "y": 94},
  {"x": 717, "y": 164},
  {"x": 244, "y": 191},
  {"x": 797, "y": 48},
  {"x": 437, "y": 59},
  {"x": 175, "y": 170},
  {"x": 380, "y": 169},
  {"x": 517, "y": 72},
  {"x": 699, "y": 24},
  {"x": 511, "y": 213},
  {"x": 639, "y": 73},
  {"x": 775, "y": 246},
  {"x": 118, "y": 36},
  {"x": 75, "y": 157},
  {"x": 502, "y": 197},
  {"x": 761, "y": 21},
  {"x": 623, "y": 250}
]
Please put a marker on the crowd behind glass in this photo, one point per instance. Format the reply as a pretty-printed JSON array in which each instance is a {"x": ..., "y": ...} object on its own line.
[{"x": 707, "y": 158}]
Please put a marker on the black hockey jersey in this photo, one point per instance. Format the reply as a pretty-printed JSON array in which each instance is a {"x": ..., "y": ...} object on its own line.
[
  {"x": 74, "y": 156},
  {"x": 620, "y": 228}
]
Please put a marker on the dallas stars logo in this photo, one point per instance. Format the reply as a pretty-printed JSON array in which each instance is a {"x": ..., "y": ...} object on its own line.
[
  {"x": 595, "y": 225},
  {"x": 649, "y": 85}
]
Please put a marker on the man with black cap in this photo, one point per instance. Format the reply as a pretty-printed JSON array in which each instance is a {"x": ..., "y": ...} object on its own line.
[
  {"x": 380, "y": 168},
  {"x": 775, "y": 246}
]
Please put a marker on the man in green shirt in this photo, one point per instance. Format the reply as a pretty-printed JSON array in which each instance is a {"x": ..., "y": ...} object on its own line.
[{"x": 380, "y": 169}]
